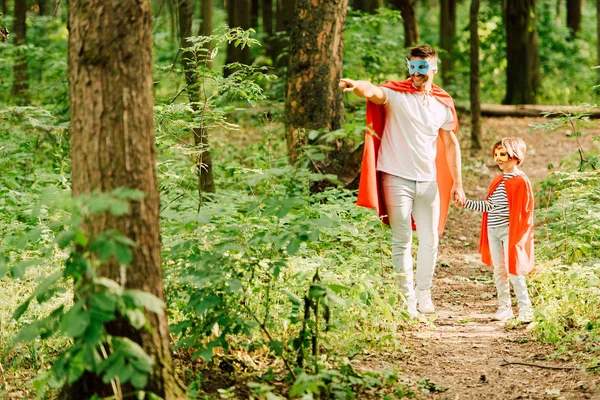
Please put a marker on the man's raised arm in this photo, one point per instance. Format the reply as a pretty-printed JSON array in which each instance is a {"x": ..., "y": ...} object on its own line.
[{"x": 363, "y": 89}]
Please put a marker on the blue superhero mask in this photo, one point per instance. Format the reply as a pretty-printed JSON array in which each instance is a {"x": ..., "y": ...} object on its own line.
[{"x": 420, "y": 66}]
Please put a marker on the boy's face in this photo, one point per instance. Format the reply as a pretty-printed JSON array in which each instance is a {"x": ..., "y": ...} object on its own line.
[{"x": 503, "y": 160}]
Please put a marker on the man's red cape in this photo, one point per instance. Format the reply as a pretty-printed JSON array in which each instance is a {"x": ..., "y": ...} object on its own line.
[
  {"x": 520, "y": 225},
  {"x": 370, "y": 190}
]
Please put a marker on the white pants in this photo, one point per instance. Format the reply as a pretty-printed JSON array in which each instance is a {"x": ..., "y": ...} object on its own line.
[
  {"x": 498, "y": 238},
  {"x": 404, "y": 197}
]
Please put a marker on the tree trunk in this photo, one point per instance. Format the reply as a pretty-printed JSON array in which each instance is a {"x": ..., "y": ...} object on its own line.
[
  {"x": 447, "y": 39},
  {"x": 368, "y": 6},
  {"x": 267, "y": 21},
  {"x": 476, "y": 139},
  {"x": 204, "y": 166},
  {"x": 598, "y": 37},
  {"x": 255, "y": 9},
  {"x": 20, "y": 86},
  {"x": 523, "y": 75},
  {"x": 284, "y": 17},
  {"x": 239, "y": 16},
  {"x": 574, "y": 17},
  {"x": 411, "y": 28},
  {"x": 206, "y": 25},
  {"x": 112, "y": 146},
  {"x": 47, "y": 7},
  {"x": 314, "y": 100},
  {"x": 5, "y": 7}
]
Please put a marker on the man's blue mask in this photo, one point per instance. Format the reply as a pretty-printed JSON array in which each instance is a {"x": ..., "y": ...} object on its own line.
[{"x": 420, "y": 66}]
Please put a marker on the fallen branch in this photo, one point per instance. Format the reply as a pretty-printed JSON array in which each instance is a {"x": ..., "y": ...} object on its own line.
[
  {"x": 506, "y": 362},
  {"x": 528, "y": 110}
]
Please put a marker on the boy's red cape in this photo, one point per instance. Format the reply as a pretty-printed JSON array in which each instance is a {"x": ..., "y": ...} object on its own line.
[
  {"x": 370, "y": 192},
  {"x": 520, "y": 225}
]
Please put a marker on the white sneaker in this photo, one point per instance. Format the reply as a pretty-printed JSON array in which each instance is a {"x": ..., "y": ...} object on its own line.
[
  {"x": 412, "y": 312},
  {"x": 503, "y": 314},
  {"x": 425, "y": 305},
  {"x": 525, "y": 316}
]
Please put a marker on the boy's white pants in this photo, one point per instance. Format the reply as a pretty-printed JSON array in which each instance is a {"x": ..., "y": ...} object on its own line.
[
  {"x": 498, "y": 239},
  {"x": 404, "y": 197}
]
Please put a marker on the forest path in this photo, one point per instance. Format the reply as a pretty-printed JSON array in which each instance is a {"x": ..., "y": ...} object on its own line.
[{"x": 460, "y": 353}]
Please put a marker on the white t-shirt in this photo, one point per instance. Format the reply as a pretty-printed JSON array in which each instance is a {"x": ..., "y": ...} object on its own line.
[{"x": 408, "y": 147}]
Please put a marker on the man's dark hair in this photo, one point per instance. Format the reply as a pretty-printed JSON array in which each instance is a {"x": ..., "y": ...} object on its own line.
[{"x": 423, "y": 51}]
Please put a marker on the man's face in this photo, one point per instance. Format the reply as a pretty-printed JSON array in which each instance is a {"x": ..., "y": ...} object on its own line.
[{"x": 421, "y": 70}]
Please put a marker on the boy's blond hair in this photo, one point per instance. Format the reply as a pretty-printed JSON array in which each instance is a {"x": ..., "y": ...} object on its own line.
[{"x": 515, "y": 147}]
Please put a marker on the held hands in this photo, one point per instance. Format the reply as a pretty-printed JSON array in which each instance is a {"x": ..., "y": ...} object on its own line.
[{"x": 458, "y": 195}]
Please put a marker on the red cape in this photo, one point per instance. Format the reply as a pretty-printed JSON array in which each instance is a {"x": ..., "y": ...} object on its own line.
[
  {"x": 370, "y": 192},
  {"x": 520, "y": 225}
]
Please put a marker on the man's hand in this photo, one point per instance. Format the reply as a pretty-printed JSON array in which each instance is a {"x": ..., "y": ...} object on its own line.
[
  {"x": 348, "y": 85},
  {"x": 457, "y": 195}
]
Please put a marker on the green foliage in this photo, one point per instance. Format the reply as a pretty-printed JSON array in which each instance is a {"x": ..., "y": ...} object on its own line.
[{"x": 98, "y": 300}]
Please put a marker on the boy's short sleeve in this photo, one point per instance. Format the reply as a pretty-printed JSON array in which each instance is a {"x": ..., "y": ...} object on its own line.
[{"x": 449, "y": 121}]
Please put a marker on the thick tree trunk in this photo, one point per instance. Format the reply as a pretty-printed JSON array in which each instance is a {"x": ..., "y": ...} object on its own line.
[
  {"x": 523, "y": 75},
  {"x": 20, "y": 86},
  {"x": 206, "y": 24},
  {"x": 476, "y": 139},
  {"x": 314, "y": 100},
  {"x": 239, "y": 16},
  {"x": 112, "y": 146},
  {"x": 255, "y": 9},
  {"x": 411, "y": 28},
  {"x": 204, "y": 166},
  {"x": 4, "y": 7},
  {"x": 447, "y": 39},
  {"x": 574, "y": 16},
  {"x": 368, "y": 6},
  {"x": 47, "y": 7}
]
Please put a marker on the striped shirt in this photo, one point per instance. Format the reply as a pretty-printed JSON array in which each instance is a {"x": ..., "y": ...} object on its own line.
[{"x": 496, "y": 205}]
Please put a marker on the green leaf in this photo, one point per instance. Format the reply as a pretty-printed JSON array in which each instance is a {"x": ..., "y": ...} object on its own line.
[
  {"x": 145, "y": 299},
  {"x": 123, "y": 254},
  {"x": 18, "y": 270}
]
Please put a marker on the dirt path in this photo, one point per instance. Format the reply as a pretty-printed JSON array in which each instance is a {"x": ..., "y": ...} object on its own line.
[{"x": 461, "y": 351}]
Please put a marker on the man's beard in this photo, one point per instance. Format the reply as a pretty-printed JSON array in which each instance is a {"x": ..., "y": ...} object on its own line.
[{"x": 420, "y": 82}]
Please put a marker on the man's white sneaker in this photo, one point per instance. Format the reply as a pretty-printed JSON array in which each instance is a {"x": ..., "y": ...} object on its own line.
[
  {"x": 412, "y": 312},
  {"x": 525, "y": 316},
  {"x": 425, "y": 305},
  {"x": 503, "y": 314}
]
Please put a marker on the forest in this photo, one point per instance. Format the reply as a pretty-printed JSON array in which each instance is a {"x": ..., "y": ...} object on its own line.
[{"x": 179, "y": 181}]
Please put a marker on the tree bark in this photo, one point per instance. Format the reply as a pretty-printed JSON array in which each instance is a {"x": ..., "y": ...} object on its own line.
[
  {"x": 204, "y": 165},
  {"x": 4, "y": 7},
  {"x": 411, "y": 28},
  {"x": 447, "y": 39},
  {"x": 523, "y": 75},
  {"x": 574, "y": 17},
  {"x": 314, "y": 100},
  {"x": 284, "y": 17},
  {"x": 112, "y": 146},
  {"x": 255, "y": 9},
  {"x": 476, "y": 138},
  {"x": 20, "y": 86},
  {"x": 239, "y": 16},
  {"x": 206, "y": 24}
]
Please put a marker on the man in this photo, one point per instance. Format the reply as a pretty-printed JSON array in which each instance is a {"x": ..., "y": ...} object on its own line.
[{"x": 407, "y": 170}]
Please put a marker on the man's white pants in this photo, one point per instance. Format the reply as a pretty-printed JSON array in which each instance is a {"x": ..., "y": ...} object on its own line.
[{"x": 404, "y": 197}]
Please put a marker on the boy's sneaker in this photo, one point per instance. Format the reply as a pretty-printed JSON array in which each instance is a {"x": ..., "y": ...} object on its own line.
[
  {"x": 525, "y": 316},
  {"x": 424, "y": 302},
  {"x": 503, "y": 314}
]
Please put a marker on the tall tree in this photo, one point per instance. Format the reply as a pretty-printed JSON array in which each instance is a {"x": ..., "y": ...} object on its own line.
[
  {"x": 284, "y": 17},
  {"x": 239, "y": 14},
  {"x": 574, "y": 16},
  {"x": 476, "y": 139},
  {"x": 206, "y": 24},
  {"x": 368, "y": 6},
  {"x": 255, "y": 9},
  {"x": 314, "y": 100},
  {"x": 266, "y": 7},
  {"x": 411, "y": 27},
  {"x": 598, "y": 36},
  {"x": 204, "y": 165},
  {"x": 20, "y": 84},
  {"x": 46, "y": 7},
  {"x": 447, "y": 39},
  {"x": 523, "y": 74},
  {"x": 4, "y": 6},
  {"x": 112, "y": 146}
]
